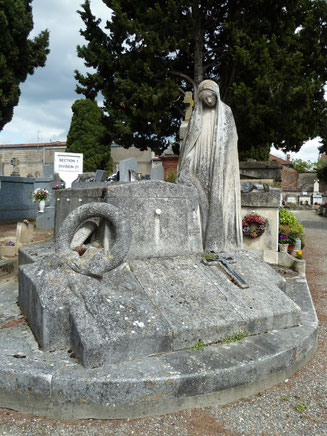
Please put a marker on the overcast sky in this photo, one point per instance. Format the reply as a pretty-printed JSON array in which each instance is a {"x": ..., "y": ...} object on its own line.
[{"x": 44, "y": 110}]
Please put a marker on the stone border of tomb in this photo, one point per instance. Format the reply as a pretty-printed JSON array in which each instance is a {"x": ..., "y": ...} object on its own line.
[{"x": 54, "y": 384}]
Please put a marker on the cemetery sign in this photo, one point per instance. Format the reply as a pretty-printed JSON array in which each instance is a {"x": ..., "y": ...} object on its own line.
[{"x": 68, "y": 166}]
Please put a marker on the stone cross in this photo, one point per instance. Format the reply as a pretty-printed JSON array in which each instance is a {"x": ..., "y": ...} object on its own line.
[
  {"x": 189, "y": 104},
  {"x": 15, "y": 162}
]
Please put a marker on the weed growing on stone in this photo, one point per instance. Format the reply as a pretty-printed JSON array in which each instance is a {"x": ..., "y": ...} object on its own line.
[
  {"x": 233, "y": 338},
  {"x": 209, "y": 256},
  {"x": 285, "y": 398},
  {"x": 200, "y": 345},
  {"x": 300, "y": 407}
]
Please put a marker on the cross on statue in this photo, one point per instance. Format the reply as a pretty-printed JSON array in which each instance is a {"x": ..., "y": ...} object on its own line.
[{"x": 189, "y": 104}]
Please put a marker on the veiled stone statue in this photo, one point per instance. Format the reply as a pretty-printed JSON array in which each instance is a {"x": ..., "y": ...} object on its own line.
[{"x": 209, "y": 161}]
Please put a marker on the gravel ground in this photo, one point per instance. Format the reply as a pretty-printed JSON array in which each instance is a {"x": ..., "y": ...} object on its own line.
[{"x": 296, "y": 407}]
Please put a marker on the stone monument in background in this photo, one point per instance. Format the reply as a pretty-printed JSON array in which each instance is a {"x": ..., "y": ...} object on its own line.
[{"x": 15, "y": 163}]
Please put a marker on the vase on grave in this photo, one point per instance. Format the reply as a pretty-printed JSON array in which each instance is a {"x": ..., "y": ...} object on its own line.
[
  {"x": 41, "y": 206},
  {"x": 283, "y": 248}
]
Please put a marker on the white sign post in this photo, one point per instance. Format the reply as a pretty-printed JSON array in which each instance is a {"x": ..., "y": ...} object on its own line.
[{"x": 68, "y": 166}]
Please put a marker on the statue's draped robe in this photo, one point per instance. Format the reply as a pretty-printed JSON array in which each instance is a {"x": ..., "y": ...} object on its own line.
[{"x": 209, "y": 161}]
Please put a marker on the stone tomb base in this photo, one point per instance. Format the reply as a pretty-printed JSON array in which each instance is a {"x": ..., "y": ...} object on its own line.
[
  {"x": 153, "y": 306},
  {"x": 54, "y": 383}
]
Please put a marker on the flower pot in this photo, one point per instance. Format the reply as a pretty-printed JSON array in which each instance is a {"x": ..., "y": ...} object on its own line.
[
  {"x": 8, "y": 250},
  {"x": 291, "y": 249},
  {"x": 283, "y": 248},
  {"x": 299, "y": 266},
  {"x": 41, "y": 206}
]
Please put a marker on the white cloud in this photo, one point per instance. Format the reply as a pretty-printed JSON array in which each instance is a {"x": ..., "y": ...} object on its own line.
[{"x": 309, "y": 151}]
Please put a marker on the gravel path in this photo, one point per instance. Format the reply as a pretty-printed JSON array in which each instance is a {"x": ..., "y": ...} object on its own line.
[{"x": 296, "y": 407}]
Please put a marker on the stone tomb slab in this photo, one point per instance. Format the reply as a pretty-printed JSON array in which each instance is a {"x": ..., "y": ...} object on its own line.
[{"x": 200, "y": 302}]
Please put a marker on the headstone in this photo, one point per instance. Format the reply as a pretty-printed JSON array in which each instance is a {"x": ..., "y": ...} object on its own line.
[
  {"x": 126, "y": 169},
  {"x": 158, "y": 173},
  {"x": 291, "y": 199},
  {"x": 100, "y": 176},
  {"x": 68, "y": 166},
  {"x": 45, "y": 221},
  {"x": 316, "y": 186},
  {"x": 316, "y": 199},
  {"x": 48, "y": 170},
  {"x": 24, "y": 232}
]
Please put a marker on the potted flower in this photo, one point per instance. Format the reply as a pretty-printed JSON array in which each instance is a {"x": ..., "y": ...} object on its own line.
[
  {"x": 284, "y": 231},
  {"x": 59, "y": 186},
  {"x": 41, "y": 195},
  {"x": 283, "y": 243},
  {"x": 9, "y": 249}
]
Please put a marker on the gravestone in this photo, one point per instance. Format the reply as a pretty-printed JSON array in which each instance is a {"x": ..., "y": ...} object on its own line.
[
  {"x": 48, "y": 170},
  {"x": 158, "y": 173},
  {"x": 127, "y": 170},
  {"x": 45, "y": 221},
  {"x": 24, "y": 232},
  {"x": 100, "y": 176}
]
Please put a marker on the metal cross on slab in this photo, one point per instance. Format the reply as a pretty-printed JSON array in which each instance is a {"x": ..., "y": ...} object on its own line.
[{"x": 225, "y": 266}]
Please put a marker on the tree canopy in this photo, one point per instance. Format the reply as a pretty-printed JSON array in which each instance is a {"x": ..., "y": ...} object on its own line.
[
  {"x": 88, "y": 135},
  {"x": 19, "y": 56},
  {"x": 321, "y": 169},
  {"x": 303, "y": 166},
  {"x": 268, "y": 56}
]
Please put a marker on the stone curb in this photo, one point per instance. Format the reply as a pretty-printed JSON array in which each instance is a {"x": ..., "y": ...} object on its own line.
[{"x": 54, "y": 384}]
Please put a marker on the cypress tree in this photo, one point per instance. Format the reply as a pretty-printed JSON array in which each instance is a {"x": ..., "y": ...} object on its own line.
[
  {"x": 88, "y": 135},
  {"x": 268, "y": 56},
  {"x": 19, "y": 56}
]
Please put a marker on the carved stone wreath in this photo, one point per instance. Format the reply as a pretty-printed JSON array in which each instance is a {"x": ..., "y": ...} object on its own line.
[
  {"x": 94, "y": 261},
  {"x": 253, "y": 225}
]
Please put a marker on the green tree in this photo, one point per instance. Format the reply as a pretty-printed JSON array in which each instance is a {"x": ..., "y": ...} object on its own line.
[
  {"x": 321, "y": 169},
  {"x": 268, "y": 56},
  {"x": 19, "y": 56},
  {"x": 88, "y": 135},
  {"x": 303, "y": 166}
]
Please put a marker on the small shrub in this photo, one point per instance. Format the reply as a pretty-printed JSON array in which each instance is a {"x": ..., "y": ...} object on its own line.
[{"x": 171, "y": 176}]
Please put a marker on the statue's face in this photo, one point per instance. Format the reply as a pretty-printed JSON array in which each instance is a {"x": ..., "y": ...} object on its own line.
[{"x": 208, "y": 98}]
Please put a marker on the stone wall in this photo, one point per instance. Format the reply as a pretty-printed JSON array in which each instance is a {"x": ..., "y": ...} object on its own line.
[
  {"x": 289, "y": 179},
  {"x": 143, "y": 158},
  {"x": 31, "y": 159},
  {"x": 261, "y": 170}
]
